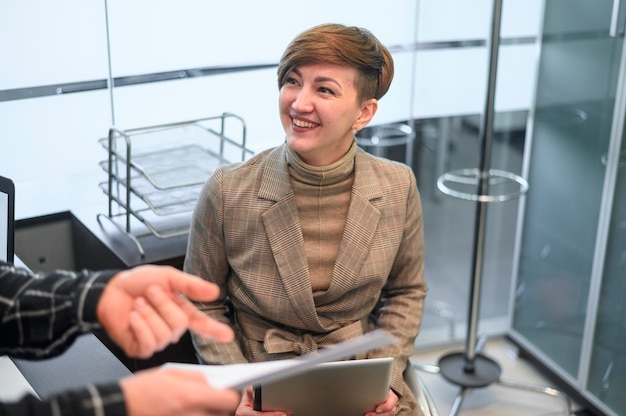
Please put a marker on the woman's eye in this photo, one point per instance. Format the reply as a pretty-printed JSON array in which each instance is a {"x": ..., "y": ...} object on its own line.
[
  {"x": 290, "y": 80},
  {"x": 326, "y": 90}
]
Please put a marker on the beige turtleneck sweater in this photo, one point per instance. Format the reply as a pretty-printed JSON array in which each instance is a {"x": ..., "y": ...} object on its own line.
[{"x": 323, "y": 197}]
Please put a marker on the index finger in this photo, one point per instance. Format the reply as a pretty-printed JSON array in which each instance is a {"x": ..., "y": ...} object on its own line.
[
  {"x": 192, "y": 286},
  {"x": 203, "y": 324}
]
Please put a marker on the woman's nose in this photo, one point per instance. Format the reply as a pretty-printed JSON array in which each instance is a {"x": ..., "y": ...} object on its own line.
[{"x": 302, "y": 101}]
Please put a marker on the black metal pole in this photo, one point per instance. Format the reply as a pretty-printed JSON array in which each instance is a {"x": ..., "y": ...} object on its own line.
[{"x": 485, "y": 136}]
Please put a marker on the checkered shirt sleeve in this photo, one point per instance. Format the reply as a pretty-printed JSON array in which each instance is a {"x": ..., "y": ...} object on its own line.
[
  {"x": 91, "y": 401},
  {"x": 42, "y": 314}
]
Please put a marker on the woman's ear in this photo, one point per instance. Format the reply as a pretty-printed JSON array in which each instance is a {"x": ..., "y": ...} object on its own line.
[{"x": 368, "y": 110}]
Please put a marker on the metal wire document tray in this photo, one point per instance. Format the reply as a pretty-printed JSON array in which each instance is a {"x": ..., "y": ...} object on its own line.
[{"x": 155, "y": 173}]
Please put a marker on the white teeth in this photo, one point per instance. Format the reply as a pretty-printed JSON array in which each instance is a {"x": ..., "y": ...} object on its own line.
[{"x": 301, "y": 123}]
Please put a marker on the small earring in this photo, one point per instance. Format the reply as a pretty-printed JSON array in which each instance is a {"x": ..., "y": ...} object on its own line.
[{"x": 354, "y": 131}]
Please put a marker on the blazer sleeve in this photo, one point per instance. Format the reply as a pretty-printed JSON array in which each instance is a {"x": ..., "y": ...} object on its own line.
[
  {"x": 206, "y": 258},
  {"x": 402, "y": 300}
]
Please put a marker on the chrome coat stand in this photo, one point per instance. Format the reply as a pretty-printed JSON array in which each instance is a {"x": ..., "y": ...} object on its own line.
[{"x": 471, "y": 369}]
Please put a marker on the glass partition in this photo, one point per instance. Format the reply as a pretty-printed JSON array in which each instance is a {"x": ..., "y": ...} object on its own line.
[
  {"x": 568, "y": 306},
  {"x": 607, "y": 371},
  {"x": 572, "y": 125}
]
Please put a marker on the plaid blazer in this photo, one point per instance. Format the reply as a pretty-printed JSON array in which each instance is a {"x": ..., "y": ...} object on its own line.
[{"x": 246, "y": 237}]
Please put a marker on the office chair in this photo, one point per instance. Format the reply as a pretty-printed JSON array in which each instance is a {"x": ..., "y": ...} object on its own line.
[{"x": 420, "y": 391}]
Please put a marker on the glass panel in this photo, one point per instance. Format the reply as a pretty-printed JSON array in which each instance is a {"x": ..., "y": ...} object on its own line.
[
  {"x": 574, "y": 105},
  {"x": 607, "y": 376}
]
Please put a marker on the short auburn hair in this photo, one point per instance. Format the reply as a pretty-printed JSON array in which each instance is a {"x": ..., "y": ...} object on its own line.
[{"x": 342, "y": 45}]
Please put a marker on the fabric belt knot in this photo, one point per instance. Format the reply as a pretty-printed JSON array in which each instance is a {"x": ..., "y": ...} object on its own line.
[{"x": 278, "y": 341}]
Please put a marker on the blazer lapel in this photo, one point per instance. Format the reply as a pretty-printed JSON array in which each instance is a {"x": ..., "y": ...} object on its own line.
[
  {"x": 361, "y": 224},
  {"x": 285, "y": 237}
]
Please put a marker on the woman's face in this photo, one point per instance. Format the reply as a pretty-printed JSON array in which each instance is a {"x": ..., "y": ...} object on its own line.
[{"x": 319, "y": 108}]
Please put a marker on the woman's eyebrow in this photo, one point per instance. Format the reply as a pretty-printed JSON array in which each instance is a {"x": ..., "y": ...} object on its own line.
[{"x": 327, "y": 79}]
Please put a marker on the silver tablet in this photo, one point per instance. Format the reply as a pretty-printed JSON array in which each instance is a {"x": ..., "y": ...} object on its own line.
[{"x": 339, "y": 388}]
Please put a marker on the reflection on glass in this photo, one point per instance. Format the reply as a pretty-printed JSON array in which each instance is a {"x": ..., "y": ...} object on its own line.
[{"x": 573, "y": 114}]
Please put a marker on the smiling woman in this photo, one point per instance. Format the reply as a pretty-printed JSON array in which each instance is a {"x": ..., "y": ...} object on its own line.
[{"x": 315, "y": 241}]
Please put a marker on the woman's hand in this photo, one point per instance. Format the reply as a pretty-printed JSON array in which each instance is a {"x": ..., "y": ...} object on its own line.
[
  {"x": 246, "y": 407},
  {"x": 388, "y": 408}
]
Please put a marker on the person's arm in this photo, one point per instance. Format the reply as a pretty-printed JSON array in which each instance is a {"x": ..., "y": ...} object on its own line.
[
  {"x": 39, "y": 317},
  {"x": 42, "y": 314},
  {"x": 142, "y": 309},
  {"x": 153, "y": 392},
  {"x": 139, "y": 308},
  {"x": 91, "y": 401}
]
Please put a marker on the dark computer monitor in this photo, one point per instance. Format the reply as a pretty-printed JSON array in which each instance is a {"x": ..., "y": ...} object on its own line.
[{"x": 7, "y": 219}]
